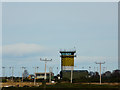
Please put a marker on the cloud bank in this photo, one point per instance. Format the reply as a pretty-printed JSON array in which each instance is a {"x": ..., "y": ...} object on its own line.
[{"x": 22, "y": 49}]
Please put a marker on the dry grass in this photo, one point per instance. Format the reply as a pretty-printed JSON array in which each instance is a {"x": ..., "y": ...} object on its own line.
[{"x": 21, "y": 84}]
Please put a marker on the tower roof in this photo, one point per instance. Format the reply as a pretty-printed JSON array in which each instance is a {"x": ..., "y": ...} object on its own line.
[{"x": 64, "y": 51}]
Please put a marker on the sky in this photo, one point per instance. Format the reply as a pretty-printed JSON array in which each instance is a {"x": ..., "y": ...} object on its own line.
[{"x": 31, "y": 31}]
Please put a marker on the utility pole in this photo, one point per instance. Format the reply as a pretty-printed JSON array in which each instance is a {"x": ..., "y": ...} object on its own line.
[
  {"x": 3, "y": 69},
  {"x": 45, "y": 60},
  {"x": 23, "y": 68},
  {"x": 50, "y": 71},
  {"x": 37, "y": 69},
  {"x": 72, "y": 73},
  {"x": 19, "y": 76},
  {"x": 100, "y": 68},
  {"x": 9, "y": 73},
  {"x": 35, "y": 75},
  {"x": 12, "y": 71}
]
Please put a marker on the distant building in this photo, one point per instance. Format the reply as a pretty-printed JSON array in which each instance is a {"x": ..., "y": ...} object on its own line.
[
  {"x": 42, "y": 75},
  {"x": 76, "y": 74},
  {"x": 30, "y": 77}
]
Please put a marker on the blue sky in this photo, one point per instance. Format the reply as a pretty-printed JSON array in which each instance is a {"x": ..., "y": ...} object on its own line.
[{"x": 38, "y": 30}]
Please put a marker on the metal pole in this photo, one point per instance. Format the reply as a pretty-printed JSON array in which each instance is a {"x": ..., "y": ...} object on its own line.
[
  {"x": 22, "y": 72},
  {"x": 9, "y": 72},
  {"x": 3, "y": 71},
  {"x": 19, "y": 76},
  {"x": 35, "y": 77},
  {"x": 72, "y": 73},
  {"x": 50, "y": 71},
  {"x": 35, "y": 74},
  {"x": 12, "y": 72},
  {"x": 50, "y": 78},
  {"x": 100, "y": 73}
]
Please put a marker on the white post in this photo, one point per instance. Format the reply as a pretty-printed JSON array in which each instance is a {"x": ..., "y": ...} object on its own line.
[
  {"x": 12, "y": 72},
  {"x": 50, "y": 72},
  {"x": 72, "y": 73},
  {"x": 50, "y": 78},
  {"x": 22, "y": 73},
  {"x": 100, "y": 73},
  {"x": 45, "y": 64},
  {"x": 19, "y": 76},
  {"x": 45, "y": 70},
  {"x": 35, "y": 77},
  {"x": 3, "y": 73},
  {"x": 100, "y": 69}
]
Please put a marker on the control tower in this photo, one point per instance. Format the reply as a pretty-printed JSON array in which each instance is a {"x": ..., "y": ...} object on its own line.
[{"x": 67, "y": 59}]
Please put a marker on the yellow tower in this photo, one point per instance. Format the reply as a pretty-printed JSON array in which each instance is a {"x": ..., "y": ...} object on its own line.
[{"x": 67, "y": 60}]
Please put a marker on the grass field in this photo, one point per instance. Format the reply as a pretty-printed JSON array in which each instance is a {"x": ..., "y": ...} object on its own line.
[{"x": 62, "y": 86}]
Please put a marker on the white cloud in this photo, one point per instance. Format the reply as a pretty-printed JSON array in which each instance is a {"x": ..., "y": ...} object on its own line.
[{"x": 22, "y": 49}]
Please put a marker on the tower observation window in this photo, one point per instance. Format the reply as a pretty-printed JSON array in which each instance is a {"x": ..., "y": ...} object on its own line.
[{"x": 66, "y": 53}]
